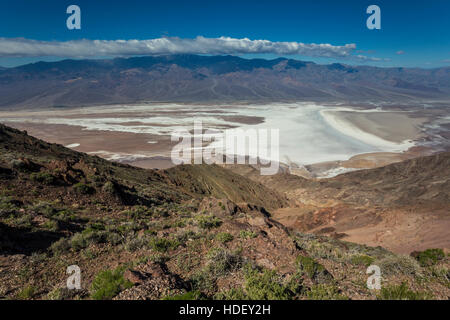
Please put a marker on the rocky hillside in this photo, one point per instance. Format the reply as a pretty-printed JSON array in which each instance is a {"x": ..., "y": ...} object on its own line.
[
  {"x": 184, "y": 78},
  {"x": 403, "y": 206},
  {"x": 191, "y": 232}
]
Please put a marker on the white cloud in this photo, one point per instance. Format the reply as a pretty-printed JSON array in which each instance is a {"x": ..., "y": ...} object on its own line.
[
  {"x": 20, "y": 47},
  {"x": 400, "y": 52},
  {"x": 360, "y": 57}
]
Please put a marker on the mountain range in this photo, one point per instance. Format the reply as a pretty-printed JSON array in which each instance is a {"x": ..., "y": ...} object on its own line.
[{"x": 194, "y": 78}]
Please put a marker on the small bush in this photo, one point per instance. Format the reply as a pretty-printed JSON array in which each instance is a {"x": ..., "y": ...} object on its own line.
[
  {"x": 224, "y": 237},
  {"x": 203, "y": 280},
  {"x": 159, "y": 258},
  {"x": 313, "y": 269},
  {"x": 43, "y": 177},
  {"x": 247, "y": 234},
  {"x": 82, "y": 188},
  {"x": 265, "y": 286},
  {"x": 109, "y": 283},
  {"x": 401, "y": 292},
  {"x": 191, "y": 295},
  {"x": 232, "y": 294},
  {"x": 402, "y": 264},
  {"x": 135, "y": 244},
  {"x": 208, "y": 222},
  {"x": 61, "y": 246},
  {"x": 8, "y": 206},
  {"x": 362, "y": 259},
  {"x": 325, "y": 292},
  {"x": 163, "y": 244},
  {"x": 139, "y": 212},
  {"x": 222, "y": 261},
  {"x": 90, "y": 236},
  {"x": 51, "y": 225},
  {"x": 429, "y": 257},
  {"x": 27, "y": 293},
  {"x": 109, "y": 187}
]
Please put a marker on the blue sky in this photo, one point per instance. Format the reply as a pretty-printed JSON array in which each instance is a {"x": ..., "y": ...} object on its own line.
[{"x": 419, "y": 30}]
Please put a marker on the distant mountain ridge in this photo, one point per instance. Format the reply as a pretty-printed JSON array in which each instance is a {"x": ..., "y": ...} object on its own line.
[{"x": 194, "y": 78}]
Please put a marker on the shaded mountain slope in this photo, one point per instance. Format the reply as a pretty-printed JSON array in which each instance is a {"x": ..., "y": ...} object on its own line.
[
  {"x": 414, "y": 181},
  {"x": 403, "y": 206},
  {"x": 67, "y": 167}
]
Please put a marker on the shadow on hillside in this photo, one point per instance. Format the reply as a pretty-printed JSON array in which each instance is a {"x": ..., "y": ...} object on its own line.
[{"x": 24, "y": 241}]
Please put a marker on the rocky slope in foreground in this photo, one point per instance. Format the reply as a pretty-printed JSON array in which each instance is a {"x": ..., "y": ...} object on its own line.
[{"x": 187, "y": 232}]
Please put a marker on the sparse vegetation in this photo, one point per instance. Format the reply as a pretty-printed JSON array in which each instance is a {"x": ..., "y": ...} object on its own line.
[
  {"x": 27, "y": 293},
  {"x": 208, "y": 222},
  {"x": 362, "y": 259},
  {"x": 399, "y": 264},
  {"x": 222, "y": 261},
  {"x": 43, "y": 177},
  {"x": 107, "y": 284},
  {"x": 429, "y": 257},
  {"x": 163, "y": 244},
  {"x": 191, "y": 295},
  {"x": 313, "y": 269},
  {"x": 401, "y": 292},
  {"x": 247, "y": 234},
  {"x": 325, "y": 292},
  {"x": 224, "y": 237},
  {"x": 82, "y": 188}
]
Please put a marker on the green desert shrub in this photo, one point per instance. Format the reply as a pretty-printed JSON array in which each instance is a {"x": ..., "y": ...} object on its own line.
[
  {"x": 224, "y": 237},
  {"x": 44, "y": 208},
  {"x": 43, "y": 177},
  {"x": 429, "y": 257},
  {"x": 191, "y": 295},
  {"x": 51, "y": 225},
  {"x": 109, "y": 187},
  {"x": 325, "y": 292},
  {"x": 67, "y": 215},
  {"x": 441, "y": 273},
  {"x": 231, "y": 294},
  {"x": 263, "y": 285},
  {"x": 26, "y": 293},
  {"x": 8, "y": 206},
  {"x": 91, "y": 236},
  {"x": 203, "y": 280},
  {"x": 221, "y": 261},
  {"x": 109, "y": 283},
  {"x": 163, "y": 244},
  {"x": 159, "y": 258},
  {"x": 82, "y": 188},
  {"x": 208, "y": 222},
  {"x": 60, "y": 247},
  {"x": 266, "y": 285},
  {"x": 247, "y": 234},
  {"x": 399, "y": 264},
  {"x": 401, "y": 292},
  {"x": 139, "y": 212},
  {"x": 136, "y": 243},
  {"x": 185, "y": 236},
  {"x": 313, "y": 269},
  {"x": 362, "y": 259},
  {"x": 21, "y": 221}
]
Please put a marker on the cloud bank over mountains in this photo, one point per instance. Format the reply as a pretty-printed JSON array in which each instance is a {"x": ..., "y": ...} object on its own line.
[{"x": 21, "y": 47}]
